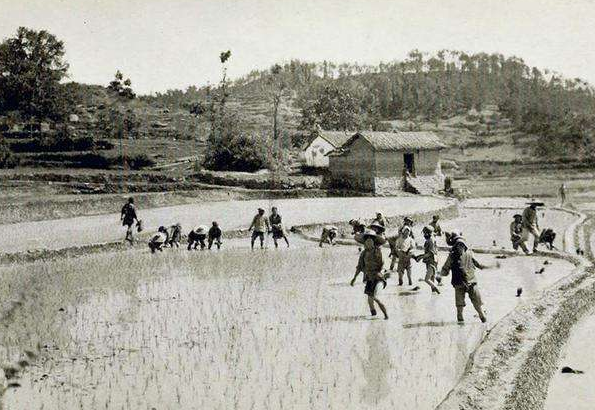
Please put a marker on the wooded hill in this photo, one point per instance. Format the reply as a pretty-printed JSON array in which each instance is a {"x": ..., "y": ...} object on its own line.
[{"x": 422, "y": 88}]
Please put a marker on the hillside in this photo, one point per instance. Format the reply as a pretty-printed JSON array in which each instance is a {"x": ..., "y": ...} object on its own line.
[
  {"x": 485, "y": 107},
  {"x": 495, "y": 98}
]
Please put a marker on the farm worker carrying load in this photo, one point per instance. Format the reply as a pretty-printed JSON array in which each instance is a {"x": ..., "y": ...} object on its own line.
[
  {"x": 531, "y": 223},
  {"x": 516, "y": 234},
  {"x": 197, "y": 236},
  {"x": 462, "y": 264},
  {"x": 215, "y": 235},
  {"x": 429, "y": 257},
  {"x": 328, "y": 235},
  {"x": 370, "y": 263},
  {"x": 128, "y": 216},
  {"x": 277, "y": 227},
  {"x": 261, "y": 226},
  {"x": 159, "y": 240},
  {"x": 401, "y": 247}
]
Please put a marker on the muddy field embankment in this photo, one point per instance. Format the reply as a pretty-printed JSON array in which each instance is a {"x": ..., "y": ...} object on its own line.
[
  {"x": 40, "y": 208},
  {"x": 450, "y": 210},
  {"x": 421, "y": 217},
  {"x": 514, "y": 364}
]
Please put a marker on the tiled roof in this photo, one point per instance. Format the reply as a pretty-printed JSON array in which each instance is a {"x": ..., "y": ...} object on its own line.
[
  {"x": 399, "y": 141},
  {"x": 336, "y": 138}
]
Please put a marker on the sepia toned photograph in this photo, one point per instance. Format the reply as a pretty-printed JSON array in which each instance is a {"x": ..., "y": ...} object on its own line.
[{"x": 297, "y": 204}]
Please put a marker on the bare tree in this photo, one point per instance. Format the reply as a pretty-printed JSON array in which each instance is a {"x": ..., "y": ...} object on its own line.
[{"x": 275, "y": 86}]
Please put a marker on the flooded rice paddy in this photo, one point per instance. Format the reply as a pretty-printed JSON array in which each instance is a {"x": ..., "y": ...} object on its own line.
[
  {"x": 63, "y": 233},
  {"x": 247, "y": 329},
  {"x": 577, "y": 354}
]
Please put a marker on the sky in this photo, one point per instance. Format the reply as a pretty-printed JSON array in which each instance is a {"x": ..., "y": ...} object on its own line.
[{"x": 163, "y": 44}]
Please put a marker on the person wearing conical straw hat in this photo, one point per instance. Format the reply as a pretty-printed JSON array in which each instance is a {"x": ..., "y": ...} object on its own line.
[
  {"x": 370, "y": 262},
  {"x": 197, "y": 236},
  {"x": 429, "y": 257},
  {"x": 531, "y": 223},
  {"x": 159, "y": 240},
  {"x": 378, "y": 228},
  {"x": 462, "y": 264}
]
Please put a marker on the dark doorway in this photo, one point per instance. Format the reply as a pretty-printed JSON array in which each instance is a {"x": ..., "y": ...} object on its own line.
[{"x": 409, "y": 161}]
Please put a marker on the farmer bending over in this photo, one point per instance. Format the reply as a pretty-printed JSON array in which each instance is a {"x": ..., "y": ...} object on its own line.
[
  {"x": 329, "y": 233},
  {"x": 197, "y": 236},
  {"x": 159, "y": 240},
  {"x": 357, "y": 226}
]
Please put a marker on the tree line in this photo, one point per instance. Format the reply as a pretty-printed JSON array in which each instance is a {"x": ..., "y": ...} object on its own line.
[{"x": 423, "y": 87}]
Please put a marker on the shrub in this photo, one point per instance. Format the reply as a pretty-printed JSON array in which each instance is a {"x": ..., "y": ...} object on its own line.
[
  {"x": 7, "y": 159},
  {"x": 139, "y": 161},
  {"x": 230, "y": 150},
  {"x": 246, "y": 153}
]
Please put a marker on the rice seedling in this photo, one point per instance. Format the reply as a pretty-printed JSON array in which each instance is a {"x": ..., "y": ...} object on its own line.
[{"x": 239, "y": 329}]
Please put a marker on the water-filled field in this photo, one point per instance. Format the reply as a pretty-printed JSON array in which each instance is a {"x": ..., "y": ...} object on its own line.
[
  {"x": 62, "y": 233},
  {"x": 242, "y": 329},
  {"x": 577, "y": 354},
  {"x": 248, "y": 329}
]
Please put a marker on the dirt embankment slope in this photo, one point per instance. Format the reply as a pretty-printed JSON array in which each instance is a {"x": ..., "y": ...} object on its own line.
[{"x": 512, "y": 367}]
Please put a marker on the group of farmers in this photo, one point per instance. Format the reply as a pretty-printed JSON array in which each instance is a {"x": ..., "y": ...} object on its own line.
[
  {"x": 460, "y": 261},
  {"x": 201, "y": 235},
  {"x": 527, "y": 225}
]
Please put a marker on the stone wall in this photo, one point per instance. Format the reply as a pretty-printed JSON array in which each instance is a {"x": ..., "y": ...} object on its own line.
[
  {"x": 425, "y": 184},
  {"x": 388, "y": 186}
]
